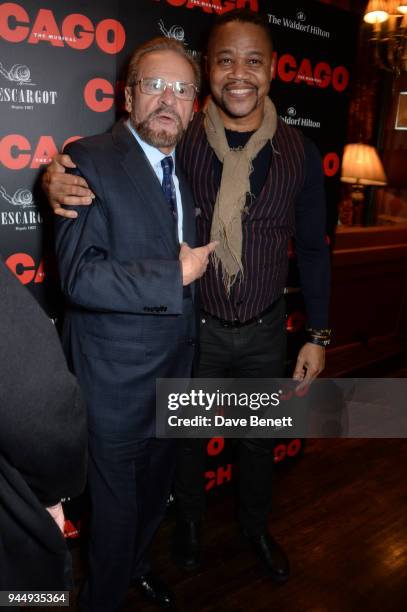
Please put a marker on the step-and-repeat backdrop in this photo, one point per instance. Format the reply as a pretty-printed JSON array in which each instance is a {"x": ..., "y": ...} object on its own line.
[{"x": 61, "y": 74}]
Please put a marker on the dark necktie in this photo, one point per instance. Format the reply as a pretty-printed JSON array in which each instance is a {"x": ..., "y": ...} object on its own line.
[{"x": 168, "y": 186}]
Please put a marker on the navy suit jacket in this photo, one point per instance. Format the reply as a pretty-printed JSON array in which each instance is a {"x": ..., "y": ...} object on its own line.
[{"x": 128, "y": 320}]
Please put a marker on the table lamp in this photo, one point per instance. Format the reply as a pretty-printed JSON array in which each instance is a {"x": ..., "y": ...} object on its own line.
[{"x": 361, "y": 166}]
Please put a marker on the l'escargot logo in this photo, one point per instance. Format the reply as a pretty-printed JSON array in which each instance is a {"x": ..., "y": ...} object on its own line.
[
  {"x": 19, "y": 93},
  {"x": 177, "y": 32},
  {"x": 22, "y": 197},
  {"x": 18, "y": 73},
  {"x": 21, "y": 217}
]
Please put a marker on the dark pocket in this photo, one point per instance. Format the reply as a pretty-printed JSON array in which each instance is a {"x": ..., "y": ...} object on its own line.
[{"x": 107, "y": 349}]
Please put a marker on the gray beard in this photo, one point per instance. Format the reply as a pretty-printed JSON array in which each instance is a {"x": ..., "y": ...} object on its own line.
[{"x": 158, "y": 138}]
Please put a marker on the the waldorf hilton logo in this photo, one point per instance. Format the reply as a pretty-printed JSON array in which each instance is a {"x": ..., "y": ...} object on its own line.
[
  {"x": 177, "y": 32},
  {"x": 21, "y": 93},
  {"x": 24, "y": 215},
  {"x": 298, "y": 23},
  {"x": 306, "y": 122}
]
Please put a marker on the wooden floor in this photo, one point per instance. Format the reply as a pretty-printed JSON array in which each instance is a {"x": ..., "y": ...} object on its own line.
[{"x": 341, "y": 514}]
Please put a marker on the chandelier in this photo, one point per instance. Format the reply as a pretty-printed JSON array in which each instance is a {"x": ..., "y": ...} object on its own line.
[{"x": 389, "y": 21}]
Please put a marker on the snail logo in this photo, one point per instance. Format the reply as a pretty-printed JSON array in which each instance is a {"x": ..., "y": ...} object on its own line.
[
  {"x": 18, "y": 73},
  {"x": 291, "y": 112},
  {"x": 175, "y": 31},
  {"x": 301, "y": 16},
  {"x": 22, "y": 197},
  {"x": 24, "y": 215}
]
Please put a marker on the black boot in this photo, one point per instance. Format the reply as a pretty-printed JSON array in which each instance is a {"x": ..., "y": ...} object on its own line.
[
  {"x": 187, "y": 544},
  {"x": 271, "y": 555}
]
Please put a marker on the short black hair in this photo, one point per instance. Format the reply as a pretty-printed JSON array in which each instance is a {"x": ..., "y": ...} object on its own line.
[{"x": 242, "y": 16}]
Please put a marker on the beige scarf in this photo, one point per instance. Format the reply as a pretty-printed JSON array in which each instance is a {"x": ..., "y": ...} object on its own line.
[{"x": 234, "y": 187}]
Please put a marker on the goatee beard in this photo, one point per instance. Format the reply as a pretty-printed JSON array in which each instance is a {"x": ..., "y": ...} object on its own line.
[{"x": 159, "y": 138}]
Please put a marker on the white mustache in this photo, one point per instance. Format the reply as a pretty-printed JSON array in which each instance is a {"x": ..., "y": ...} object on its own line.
[{"x": 165, "y": 111}]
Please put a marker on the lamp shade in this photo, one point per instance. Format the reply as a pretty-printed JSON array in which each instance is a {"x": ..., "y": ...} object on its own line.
[
  {"x": 376, "y": 11},
  {"x": 361, "y": 165},
  {"x": 396, "y": 7}
]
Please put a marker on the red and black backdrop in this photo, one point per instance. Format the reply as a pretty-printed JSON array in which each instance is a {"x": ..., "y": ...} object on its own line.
[{"x": 61, "y": 68}]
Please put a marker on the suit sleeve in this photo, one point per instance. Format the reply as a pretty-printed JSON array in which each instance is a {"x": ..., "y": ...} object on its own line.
[
  {"x": 310, "y": 240},
  {"x": 92, "y": 278}
]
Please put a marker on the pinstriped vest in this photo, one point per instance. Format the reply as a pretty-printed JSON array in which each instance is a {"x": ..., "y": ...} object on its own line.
[{"x": 267, "y": 226}]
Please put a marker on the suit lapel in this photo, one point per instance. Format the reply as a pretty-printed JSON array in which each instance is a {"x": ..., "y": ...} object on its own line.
[{"x": 144, "y": 180}]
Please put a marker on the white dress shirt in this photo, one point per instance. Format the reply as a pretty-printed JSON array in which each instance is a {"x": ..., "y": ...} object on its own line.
[{"x": 155, "y": 156}]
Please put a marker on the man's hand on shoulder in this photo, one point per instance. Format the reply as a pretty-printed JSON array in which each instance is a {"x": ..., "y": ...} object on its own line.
[
  {"x": 194, "y": 261},
  {"x": 64, "y": 189},
  {"x": 310, "y": 363}
]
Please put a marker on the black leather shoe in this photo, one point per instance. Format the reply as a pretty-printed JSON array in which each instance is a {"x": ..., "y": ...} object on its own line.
[
  {"x": 154, "y": 590},
  {"x": 271, "y": 555},
  {"x": 187, "y": 545}
]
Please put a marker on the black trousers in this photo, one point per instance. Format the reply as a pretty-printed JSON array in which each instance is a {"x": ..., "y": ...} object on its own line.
[
  {"x": 253, "y": 351},
  {"x": 129, "y": 482}
]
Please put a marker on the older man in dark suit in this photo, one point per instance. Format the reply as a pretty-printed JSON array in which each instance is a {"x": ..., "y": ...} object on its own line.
[{"x": 127, "y": 265}]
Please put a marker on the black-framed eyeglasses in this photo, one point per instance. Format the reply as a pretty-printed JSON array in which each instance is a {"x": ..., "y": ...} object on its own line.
[{"x": 155, "y": 86}]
